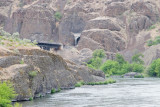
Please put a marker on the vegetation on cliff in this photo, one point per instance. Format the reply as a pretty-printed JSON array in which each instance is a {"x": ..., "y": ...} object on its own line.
[
  {"x": 154, "y": 68},
  {"x": 8, "y": 40},
  {"x": 7, "y": 94},
  {"x": 156, "y": 41},
  {"x": 119, "y": 66}
]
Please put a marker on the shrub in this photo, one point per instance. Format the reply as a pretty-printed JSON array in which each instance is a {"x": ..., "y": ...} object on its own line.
[
  {"x": 120, "y": 66},
  {"x": 59, "y": 89},
  {"x": 7, "y": 93},
  {"x": 110, "y": 67},
  {"x": 109, "y": 81},
  {"x": 58, "y": 16},
  {"x": 137, "y": 68},
  {"x": 154, "y": 68},
  {"x": 100, "y": 53},
  {"x": 21, "y": 62},
  {"x": 126, "y": 68},
  {"x": 31, "y": 98},
  {"x": 120, "y": 59},
  {"x": 79, "y": 84},
  {"x": 154, "y": 42},
  {"x": 138, "y": 76},
  {"x": 95, "y": 63},
  {"x": 17, "y": 105},
  {"x": 32, "y": 74},
  {"x": 136, "y": 58},
  {"x": 152, "y": 27},
  {"x": 15, "y": 35},
  {"x": 149, "y": 43},
  {"x": 53, "y": 91}
]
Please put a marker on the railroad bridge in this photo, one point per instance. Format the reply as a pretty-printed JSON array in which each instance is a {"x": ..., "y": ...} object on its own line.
[{"x": 49, "y": 46}]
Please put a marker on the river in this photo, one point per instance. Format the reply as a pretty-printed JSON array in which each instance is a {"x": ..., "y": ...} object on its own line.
[{"x": 125, "y": 93}]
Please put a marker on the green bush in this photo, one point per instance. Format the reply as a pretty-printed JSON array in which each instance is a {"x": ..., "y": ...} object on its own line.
[
  {"x": 17, "y": 105},
  {"x": 7, "y": 94},
  {"x": 53, "y": 91},
  {"x": 58, "y": 16},
  {"x": 109, "y": 81},
  {"x": 79, "y": 84},
  {"x": 149, "y": 42},
  {"x": 120, "y": 59},
  {"x": 110, "y": 67},
  {"x": 32, "y": 74},
  {"x": 100, "y": 53},
  {"x": 120, "y": 66},
  {"x": 137, "y": 68},
  {"x": 154, "y": 42},
  {"x": 138, "y": 76},
  {"x": 137, "y": 58},
  {"x": 31, "y": 98},
  {"x": 154, "y": 68},
  {"x": 21, "y": 62},
  {"x": 95, "y": 63},
  {"x": 59, "y": 89},
  {"x": 152, "y": 27}
]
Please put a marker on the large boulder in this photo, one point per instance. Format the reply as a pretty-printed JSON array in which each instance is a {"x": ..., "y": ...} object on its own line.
[
  {"x": 109, "y": 40},
  {"x": 115, "y": 9},
  {"x": 151, "y": 53},
  {"x": 102, "y": 23},
  {"x": 139, "y": 23},
  {"x": 35, "y": 23},
  {"x": 133, "y": 75},
  {"x": 148, "y": 9},
  {"x": 86, "y": 42}
]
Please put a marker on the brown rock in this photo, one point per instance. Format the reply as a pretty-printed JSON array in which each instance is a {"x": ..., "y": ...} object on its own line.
[
  {"x": 109, "y": 40},
  {"x": 148, "y": 9},
  {"x": 35, "y": 23},
  {"x": 52, "y": 71},
  {"x": 115, "y": 9},
  {"x": 102, "y": 23},
  {"x": 70, "y": 24},
  {"x": 139, "y": 23},
  {"x": 86, "y": 42}
]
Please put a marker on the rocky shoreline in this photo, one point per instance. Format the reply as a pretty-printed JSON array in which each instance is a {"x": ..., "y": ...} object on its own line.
[{"x": 35, "y": 72}]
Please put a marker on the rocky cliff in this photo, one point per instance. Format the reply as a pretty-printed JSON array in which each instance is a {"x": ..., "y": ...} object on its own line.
[
  {"x": 35, "y": 72},
  {"x": 113, "y": 25}
]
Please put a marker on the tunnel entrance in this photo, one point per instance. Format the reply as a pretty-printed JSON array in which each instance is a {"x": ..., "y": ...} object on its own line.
[{"x": 77, "y": 37}]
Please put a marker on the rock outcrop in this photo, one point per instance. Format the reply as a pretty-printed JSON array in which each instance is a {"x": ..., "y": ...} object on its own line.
[{"x": 35, "y": 72}]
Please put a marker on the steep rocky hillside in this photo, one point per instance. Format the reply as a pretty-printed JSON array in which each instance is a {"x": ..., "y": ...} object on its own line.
[
  {"x": 113, "y": 25},
  {"x": 35, "y": 72}
]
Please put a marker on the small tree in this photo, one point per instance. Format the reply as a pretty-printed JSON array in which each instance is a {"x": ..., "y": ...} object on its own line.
[
  {"x": 154, "y": 69},
  {"x": 99, "y": 53},
  {"x": 95, "y": 63},
  {"x": 120, "y": 59},
  {"x": 7, "y": 93},
  {"x": 110, "y": 67},
  {"x": 136, "y": 58},
  {"x": 58, "y": 16}
]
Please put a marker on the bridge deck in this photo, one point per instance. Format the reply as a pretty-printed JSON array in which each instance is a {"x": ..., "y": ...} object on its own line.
[{"x": 48, "y": 46}]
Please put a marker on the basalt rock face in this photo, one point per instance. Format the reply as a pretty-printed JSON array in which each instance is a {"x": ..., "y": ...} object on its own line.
[
  {"x": 52, "y": 71},
  {"x": 109, "y": 40},
  {"x": 113, "y": 25},
  {"x": 35, "y": 23}
]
